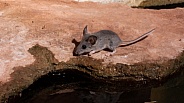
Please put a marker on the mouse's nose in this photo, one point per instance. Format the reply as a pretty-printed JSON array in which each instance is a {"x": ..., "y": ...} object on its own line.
[{"x": 76, "y": 53}]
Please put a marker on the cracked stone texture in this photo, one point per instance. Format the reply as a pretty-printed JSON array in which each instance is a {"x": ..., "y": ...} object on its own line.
[{"x": 55, "y": 23}]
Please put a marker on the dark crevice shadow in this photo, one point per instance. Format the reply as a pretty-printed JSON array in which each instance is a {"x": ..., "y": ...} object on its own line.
[
  {"x": 52, "y": 79},
  {"x": 168, "y": 6},
  {"x": 73, "y": 86}
]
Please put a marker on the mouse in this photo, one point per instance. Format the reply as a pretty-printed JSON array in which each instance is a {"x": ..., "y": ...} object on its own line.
[{"x": 101, "y": 40}]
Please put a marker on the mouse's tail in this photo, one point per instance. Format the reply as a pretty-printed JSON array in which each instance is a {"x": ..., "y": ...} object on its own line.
[{"x": 125, "y": 43}]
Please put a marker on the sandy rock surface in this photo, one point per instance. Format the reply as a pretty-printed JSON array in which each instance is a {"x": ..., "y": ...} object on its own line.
[{"x": 55, "y": 23}]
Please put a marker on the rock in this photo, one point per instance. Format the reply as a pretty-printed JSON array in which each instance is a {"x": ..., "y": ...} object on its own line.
[
  {"x": 139, "y": 3},
  {"x": 36, "y": 38}
]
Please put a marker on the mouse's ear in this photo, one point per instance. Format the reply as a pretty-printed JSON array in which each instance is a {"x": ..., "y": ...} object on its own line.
[
  {"x": 91, "y": 39},
  {"x": 85, "y": 31}
]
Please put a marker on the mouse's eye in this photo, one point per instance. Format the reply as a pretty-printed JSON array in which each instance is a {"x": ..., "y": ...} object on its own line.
[{"x": 83, "y": 46}]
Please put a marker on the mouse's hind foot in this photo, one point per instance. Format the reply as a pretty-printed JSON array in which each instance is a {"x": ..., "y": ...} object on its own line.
[{"x": 104, "y": 56}]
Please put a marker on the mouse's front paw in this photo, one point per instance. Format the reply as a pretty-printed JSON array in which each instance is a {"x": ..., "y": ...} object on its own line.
[{"x": 90, "y": 53}]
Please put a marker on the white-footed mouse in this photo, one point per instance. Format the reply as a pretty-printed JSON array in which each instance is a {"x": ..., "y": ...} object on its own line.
[{"x": 103, "y": 39}]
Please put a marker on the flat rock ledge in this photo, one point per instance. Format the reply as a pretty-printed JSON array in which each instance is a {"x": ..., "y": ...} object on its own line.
[
  {"x": 139, "y": 3},
  {"x": 37, "y": 38}
]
